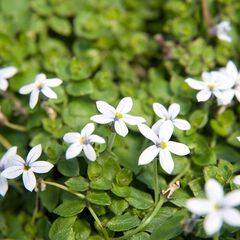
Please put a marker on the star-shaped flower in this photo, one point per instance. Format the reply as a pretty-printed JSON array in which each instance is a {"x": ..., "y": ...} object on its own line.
[
  {"x": 162, "y": 146},
  {"x": 6, "y": 73},
  {"x": 169, "y": 115},
  {"x": 28, "y": 168},
  {"x": 5, "y": 162},
  {"x": 118, "y": 116},
  {"x": 221, "y": 30},
  {"x": 82, "y": 141},
  {"x": 213, "y": 84},
  {"x": 41, "y": 85},
  {"x": 217, "y": 207}
]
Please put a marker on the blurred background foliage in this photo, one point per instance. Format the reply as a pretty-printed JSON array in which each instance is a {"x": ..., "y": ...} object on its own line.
[{"x": 104, "y": 50}]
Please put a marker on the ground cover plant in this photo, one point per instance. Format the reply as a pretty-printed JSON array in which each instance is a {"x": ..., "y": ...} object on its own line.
[{"x": 119, "y": 119}]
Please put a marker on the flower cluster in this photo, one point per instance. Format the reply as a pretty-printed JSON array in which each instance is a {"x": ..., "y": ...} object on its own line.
[{"x": 221, "y": 30}]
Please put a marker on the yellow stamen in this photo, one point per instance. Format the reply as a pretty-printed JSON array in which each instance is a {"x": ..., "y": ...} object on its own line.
[
  {"x": 26, "y": 168},
  {"x": 163, "y": 145},
  {"x": 82, "y": 139},
  {"x": 211, "y": 85},
  {"x": 119, "y": 115}
]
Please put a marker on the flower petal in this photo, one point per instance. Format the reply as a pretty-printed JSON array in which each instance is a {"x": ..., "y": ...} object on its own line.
[
  {"x": 48, "y": 92},
  {"x": 53, "y": 82},
  {"x": 121, "y": 127},
  {"x": 214, "y": 190},
  {"x": 96, "y": 139},
  {"x": 198, "y": 206},
  {"x": 8, "y": 156},
  {"x": 34, "y": 154},
  {"x": 125, "y": 105},
  {"x": 102, "y": 119},
  {"x": 3, "y": 185},
  {"x": 27, "y": 89},
  {"x": 156, "y": 126},
  {"x": 34, "y": 98},
  {"x": 181, "y": 124},
  {"x": 18, "y": 161},
  {"x": 160, "y": 110},
  {"x": 12, "y": 172},
  {"x": 148, "y": 133},
  {"x": 71, "y": 137},
  {"x": 173, "y": 110},
  {"x": 132, "y": 120},
  {"x": 3, "y": 84},
  {"x": 41, "y": 77},
  {"x": 212, "y": 223},
  {"x": 41, "y": 166},
  {"x": 195, "y": 84},
  {"x": 88, "y": 130},
  {"x": 232, "y": 199},
  {"x": 89, "y": 152},
  {"x": 232, "y": 70},
  {"x": 166, "y": 131},
  {"x": 231, "y": 216},
  {"x": 105, "y": 108},
  {"x": 204, "y": 95},
  {"x": 148, "y": 155},
  {"x": 74, "y": 150},
  {"x": 8, "y": 72},
  {"x": 166, "y": 161},
  {"x": 178, "y": 148},
  {"x": 29, "y": 180},
  {"x": 236, "y": 180}
]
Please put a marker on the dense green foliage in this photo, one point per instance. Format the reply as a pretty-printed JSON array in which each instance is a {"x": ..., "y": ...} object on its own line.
[{"x": 104, "y": 50}]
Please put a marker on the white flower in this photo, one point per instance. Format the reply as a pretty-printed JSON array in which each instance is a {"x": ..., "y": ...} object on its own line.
[
  {"x": 169, "y": 114},
  {"x": 82, "y": 141},
  {"x": 221, "y": 30},
  {"x": 6, "y": 73},
  {"x": 217, "y": 207},
  {"x": 162, "y": 146},
  {"x": 41, "y": 85},
  {"x": 238, "y": 138},
  {"x": 213, "y": 84},
  {"x": 28, "y": 168},
  {"x": 5, "y": 162},
  {"x": 236, "y": 180},
  {"x": 118, "y": 116}
]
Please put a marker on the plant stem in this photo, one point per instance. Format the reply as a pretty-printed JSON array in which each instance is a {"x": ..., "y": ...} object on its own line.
[
  {"x": 80, "y": 195},
  {"x": 15, "y": 127},
  {"x": 144, "y": 223},
  {"x": 5, "y": 142},
  {"x": 216, "y": 236},
  {"x": 156, "y": 184},
  {"x": 206, "y": 15},
  {"x": 180, "y": 174},
  {"x": 104, "y": 231},
  {"x": 111, "y": 141},
  {"x": 35, "y": 210}
]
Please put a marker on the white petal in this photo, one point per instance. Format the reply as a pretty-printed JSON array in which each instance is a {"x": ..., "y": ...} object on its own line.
[
  {"x": 236, "y": 180},
  {"x": 96, "y": 139},
  {"x": 212, "y": 223},
  {"x": 166, "y": 131},
  {"x": 232, "y": 199},
  {"x": 88, "y": 130},
  {"x": 121, "y": 128},
  {"x": 34, "y": 154},
  {"x": 18, "y": 161},
  {"x": 224, "y": 37},
  {"x": 131, "y": 120},
  {"x": 232, "y": 70},
  {"x": 8, "y": 72},
  {"x": 3, "y": 185},
  {"x": 8, "y": 156},
  {"x": 178, "y": 148},
  {"x": 166, "y": 161},
  {"x": 195, "y": 84},
  {"x": 125, "y": 105},
  {"x": 27, "y": 89},
  {"x": 204, "y": 95},
  {"x": 181, "y": 124},
  {"x": 160, "y": 110},
  {"x": 105, "y": 108},
  {"x": 148, "y": 155},
  {"x": 198, "y": 206},
  {"x": 156, "y": 126},
  {"x": 74, "y": 150},
  {"x": 41, "y": 77},
  {"x": 48, "y": 92},
  {"x": 224, "y": 97},
  {"x": 214, "y": 190},
  {"x": 207, "y": 77},
  {"x": 34, "y": 98},
  {"x": 173, "y": 110},
  {"x": 53, "y": 82},
  {"x": 29, "y": 180},
  {"x": 3, "y": 84},
  {"x": 231, "y": 216},
  {"x": 102, "y": 119},
  {"x": 148, "y": 133},
  {"x": 89, "y": 152},
  {"x": 222, "y": 81},
  {"x": 12, "y": 172},
  {"x": 71, "y": 137},
  {"x": 41, "y": 166},
  {"x": 237, "y": 93}
]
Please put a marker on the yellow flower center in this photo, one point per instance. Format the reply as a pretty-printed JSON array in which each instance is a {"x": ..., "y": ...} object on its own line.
[
  {"x": 216, "y": 206},
  {"x": 118, "y": 115},
  {"x": 163, "y": 145},
  {"x": 82, "y": 139},
  {"x": 39, "y": 85},
  {"x": 211, "y": 85},
  {"x": 26, "y": 168}
]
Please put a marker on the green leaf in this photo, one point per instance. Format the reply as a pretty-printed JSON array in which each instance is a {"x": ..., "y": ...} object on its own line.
[
  {"x": 98, "y": 198},
  {"x": 68, "y": 168},
  {"x": 82, "y": 229},
  {"x": 118, "y": 206},
  {"x": 60, "y": 25},
  {"x": 49, "y": 197},
  {"x": 101, "y": 184},
  {"x": 77, "y": 184},
  {"x": 80, "y": 89}
]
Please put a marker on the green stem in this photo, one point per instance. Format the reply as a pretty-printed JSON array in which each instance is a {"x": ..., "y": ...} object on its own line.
[
  {"x": 15, "y": 127},
  {"x": 216, "y": 236},
  {"x": 35, "y": 210},
  {"x": 80, "y": 195},
  {"x": 5, "y": 142},
  {"x": 156, "y": 184},
  {"x": 111, "y": 141},
  {"x": 104, "y": 231},
  {"x": 144, "y": 223},
  {"x": 180, "y": 175}
]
